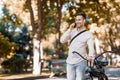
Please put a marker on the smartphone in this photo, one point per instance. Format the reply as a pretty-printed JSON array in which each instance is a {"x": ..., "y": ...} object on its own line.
[{"x": 75, "y": 25}]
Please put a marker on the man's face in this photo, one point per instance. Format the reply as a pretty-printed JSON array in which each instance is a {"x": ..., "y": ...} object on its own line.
[{"x": 80, "y": 21}]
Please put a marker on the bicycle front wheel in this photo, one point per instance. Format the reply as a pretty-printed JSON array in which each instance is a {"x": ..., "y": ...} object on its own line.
[{"x": 104, "y": 77}]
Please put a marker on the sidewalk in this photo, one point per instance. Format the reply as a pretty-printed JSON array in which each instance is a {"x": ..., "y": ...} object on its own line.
[
  {"x": 31, "y": 77},
  {"x": 113, "y": 74}
]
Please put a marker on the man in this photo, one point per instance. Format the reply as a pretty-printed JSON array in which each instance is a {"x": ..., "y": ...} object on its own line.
[{"x": 76, "y": 64}]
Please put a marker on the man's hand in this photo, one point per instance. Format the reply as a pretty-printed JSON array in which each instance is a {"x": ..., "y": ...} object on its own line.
[
  {"x": 72, "y": 26},
  {"x": 89, "y": 58}
]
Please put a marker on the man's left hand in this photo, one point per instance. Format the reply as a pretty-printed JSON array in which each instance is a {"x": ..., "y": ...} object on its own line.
[{"x": 89, "y": 58}]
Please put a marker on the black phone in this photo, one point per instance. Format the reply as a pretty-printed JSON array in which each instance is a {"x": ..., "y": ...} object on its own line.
[{"x": 75, "y": 25}]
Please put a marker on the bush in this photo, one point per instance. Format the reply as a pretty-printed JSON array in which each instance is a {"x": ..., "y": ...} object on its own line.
[{"x": 14, "y": 64}]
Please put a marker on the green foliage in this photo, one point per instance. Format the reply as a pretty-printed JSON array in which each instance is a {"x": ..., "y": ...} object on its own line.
[
  {"x": 48, "y": 51},
  {"x": 7, "y": 29},
  {"x": 94, "y": 9},
  {"x": 11, "y": 40},
  {"x": 14, "y": 64},
  {"x": 6, "y": 46},
  {"x": 8, "y": 24},
  {"x": 12, "y": 19}
]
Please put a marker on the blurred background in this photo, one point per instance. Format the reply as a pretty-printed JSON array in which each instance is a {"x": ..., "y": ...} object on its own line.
[{"x": 30, "y": 32}]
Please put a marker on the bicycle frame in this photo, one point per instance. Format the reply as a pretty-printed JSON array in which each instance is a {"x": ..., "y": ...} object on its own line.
[{"x": 97, "y": 69}]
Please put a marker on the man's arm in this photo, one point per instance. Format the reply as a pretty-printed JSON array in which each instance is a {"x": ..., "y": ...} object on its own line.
[
  {"x": 90, "y": 43},
  {"x": 66, "y": 36}
]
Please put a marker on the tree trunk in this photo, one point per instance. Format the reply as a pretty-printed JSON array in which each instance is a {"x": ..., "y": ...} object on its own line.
[
  {"x": 36, "y": 56},
  {"x": 59, "y": 6},
  {"x": 31, "y": 15},
  {"x": 37, "y": 49}
]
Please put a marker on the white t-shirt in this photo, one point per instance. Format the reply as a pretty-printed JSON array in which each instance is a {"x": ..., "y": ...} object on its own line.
[{"x": 79, "y": 45}]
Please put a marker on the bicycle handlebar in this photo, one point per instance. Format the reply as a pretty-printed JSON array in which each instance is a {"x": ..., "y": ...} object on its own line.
[
  {"x": 79, "y": 55},
  {"x": 104, "y": 53},
  {"x": 95, "y": 57}
]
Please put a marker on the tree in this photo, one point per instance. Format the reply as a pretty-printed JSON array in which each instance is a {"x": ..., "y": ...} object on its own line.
[
  {"x": 37, "y": 31},
  {"x": 7, "y": 30},
  {"x": 12, "y": 43}
]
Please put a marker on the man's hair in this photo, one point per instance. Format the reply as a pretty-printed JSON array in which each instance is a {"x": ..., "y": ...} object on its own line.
[{"x": 82, "y": 14}]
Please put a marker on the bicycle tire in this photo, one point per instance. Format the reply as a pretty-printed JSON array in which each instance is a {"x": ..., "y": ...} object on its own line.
[
  {"x": 90, "y": 78},
  {"x": 103, "y": 77}
]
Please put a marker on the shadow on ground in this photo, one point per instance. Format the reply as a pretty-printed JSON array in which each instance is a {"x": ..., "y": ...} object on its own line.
[{"x": 31, "y": 78}]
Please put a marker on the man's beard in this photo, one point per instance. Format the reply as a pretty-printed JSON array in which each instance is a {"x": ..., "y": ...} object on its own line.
[{"x": 79, "y": 26}]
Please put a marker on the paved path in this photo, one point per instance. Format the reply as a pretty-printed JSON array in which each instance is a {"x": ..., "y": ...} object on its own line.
[
  {"x": 111, "y": 78},
  {"x": 113, "y": 74}
]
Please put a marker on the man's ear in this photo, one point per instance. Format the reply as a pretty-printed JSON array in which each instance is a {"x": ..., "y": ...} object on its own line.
[{"x": 84, "y": 20}]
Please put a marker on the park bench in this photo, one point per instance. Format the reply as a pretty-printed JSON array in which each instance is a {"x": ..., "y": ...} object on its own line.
[{"x": 56, "y": 66}]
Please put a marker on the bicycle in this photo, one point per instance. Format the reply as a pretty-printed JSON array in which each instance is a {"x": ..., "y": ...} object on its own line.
[{"x": 97, "y": 69}]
